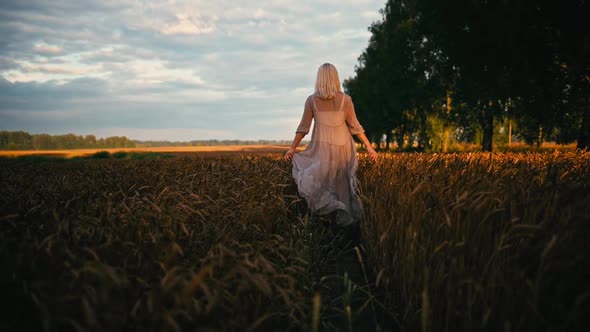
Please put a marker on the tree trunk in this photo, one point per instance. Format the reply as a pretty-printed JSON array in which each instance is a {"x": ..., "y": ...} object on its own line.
[
  {"x": 447, "y": 130},
  {"x": 581, "y": 99},
  {"x": 378, "y": 143},
  {"x": 584, "y": 136},
  {"x": 488, "y": 130},
  {"x": 510, "y": 132},
  {"x": 400, "y": 138},
  {"x": 446, "y": 139}
]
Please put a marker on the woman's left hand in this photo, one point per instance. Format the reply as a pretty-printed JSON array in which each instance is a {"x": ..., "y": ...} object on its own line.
[{"x": 289, "y": 154}]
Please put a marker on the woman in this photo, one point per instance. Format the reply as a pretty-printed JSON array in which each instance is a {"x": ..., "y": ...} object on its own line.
[{"x": 325, "y": 170}]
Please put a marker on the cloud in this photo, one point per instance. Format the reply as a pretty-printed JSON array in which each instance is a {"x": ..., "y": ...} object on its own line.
[
  {"x": 292, "y": 122},
  {"x": 43, "y": 48},
  {"x": 28, "y": 71},
  {"x": 163, "y": 134},
  {"x": 155, "y": 72},
  {"x": 186, "y": 25},
  {"x": 240, "y": 69},
  {"x": 373, "y": 15}
]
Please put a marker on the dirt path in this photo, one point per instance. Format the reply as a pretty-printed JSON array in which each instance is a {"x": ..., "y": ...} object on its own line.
[{"x": 347, "y": 289}]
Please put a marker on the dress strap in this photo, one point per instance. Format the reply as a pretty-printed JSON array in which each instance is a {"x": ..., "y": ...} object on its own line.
[
  {"x": 342, "y": 102},
  {"x": 314, "y": 105}
]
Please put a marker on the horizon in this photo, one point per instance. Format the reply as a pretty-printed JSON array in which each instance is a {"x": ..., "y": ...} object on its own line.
[
  {"x": 177, "y": 71},
  {"x": 149, "y": 140}
]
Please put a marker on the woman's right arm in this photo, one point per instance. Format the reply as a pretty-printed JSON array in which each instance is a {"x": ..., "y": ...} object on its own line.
[
  {"x": 296, "y": 140},
  {"x": 302, "y": 129}
]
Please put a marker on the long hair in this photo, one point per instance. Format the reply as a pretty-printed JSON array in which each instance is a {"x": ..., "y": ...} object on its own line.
[{"x": 327, "y": 83}]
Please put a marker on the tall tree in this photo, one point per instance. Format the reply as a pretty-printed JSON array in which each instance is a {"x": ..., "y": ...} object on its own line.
[
  {"x": 393, "y": 82},
  {"x": 531, "y": 58},
  {"x": 476, "y": 39}
]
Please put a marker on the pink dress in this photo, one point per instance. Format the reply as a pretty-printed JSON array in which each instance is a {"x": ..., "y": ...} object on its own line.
[{"x": 325, "y": 170}]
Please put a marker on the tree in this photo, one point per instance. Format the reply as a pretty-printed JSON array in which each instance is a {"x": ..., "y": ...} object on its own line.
[
  {"x": 42, "y": 142},
  {"x": 394, "y": 81},
  {"x": 529, "y": 57},
  {"x": 20, "y": 140},
  {"x": 90, "y": 140}
]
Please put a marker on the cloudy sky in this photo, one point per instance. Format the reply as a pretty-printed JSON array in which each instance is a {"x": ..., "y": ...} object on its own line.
[{"x": 171, "y": 70}]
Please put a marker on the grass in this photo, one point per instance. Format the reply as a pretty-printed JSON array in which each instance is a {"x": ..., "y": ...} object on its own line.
[
  {"x": 450, "y": 242},
  {"x": 127, "y": 155}
]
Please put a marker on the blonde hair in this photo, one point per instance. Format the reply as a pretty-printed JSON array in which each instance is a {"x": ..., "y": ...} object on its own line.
[{"x": 327, "y": 83}]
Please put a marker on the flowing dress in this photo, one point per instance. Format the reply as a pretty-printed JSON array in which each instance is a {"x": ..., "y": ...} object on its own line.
[{"x": 325, "y": 170}]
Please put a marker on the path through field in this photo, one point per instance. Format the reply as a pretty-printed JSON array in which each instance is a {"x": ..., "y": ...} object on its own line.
[
  {"x": 355, "y": 285},
  {"x": 342, "y": 278},
  {"x": 345, "y": 282}
]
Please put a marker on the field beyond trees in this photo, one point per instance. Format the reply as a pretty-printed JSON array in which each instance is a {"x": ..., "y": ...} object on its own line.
[{"x": 449, "y": 242}]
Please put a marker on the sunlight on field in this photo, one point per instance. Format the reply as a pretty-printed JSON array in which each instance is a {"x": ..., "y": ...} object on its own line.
[
  {"x": 257, "y": 149},
  {"x": 170, "y": 149}
]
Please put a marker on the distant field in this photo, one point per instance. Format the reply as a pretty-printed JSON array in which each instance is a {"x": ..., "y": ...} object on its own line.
[
  {"x": 254, "y": 149},
  {"x": 178, "y": 150}
]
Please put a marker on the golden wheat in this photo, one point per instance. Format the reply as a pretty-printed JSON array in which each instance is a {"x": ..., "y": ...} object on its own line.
[{"x": 453, "y": 242}]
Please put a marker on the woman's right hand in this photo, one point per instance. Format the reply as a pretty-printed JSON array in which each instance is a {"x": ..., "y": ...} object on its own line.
[
  {"x": 372, "y": 154},
  {"x": 289, "y": 154}
]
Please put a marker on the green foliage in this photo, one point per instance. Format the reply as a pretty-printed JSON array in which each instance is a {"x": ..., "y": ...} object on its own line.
[
  {"x": 101, "y": 155},
  {"x": 38, "y": 158},
  {"x": 501, "y": 132},
  {"x": 120, "y": 155},
  {"x": 393, "y": 89},
  {"x": 20, "y": 140},
  {"x": 442, "y": 136},
  {"x": 148, "y": 155},
  {"x": 535, "y": 65}
]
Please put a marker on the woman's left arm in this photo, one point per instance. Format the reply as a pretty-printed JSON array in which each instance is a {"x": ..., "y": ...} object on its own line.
[
  {"x": 355, "y": 128},
  {"x": 372, "y": 153}
]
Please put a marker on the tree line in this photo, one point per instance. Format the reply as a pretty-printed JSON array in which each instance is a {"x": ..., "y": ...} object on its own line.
[
  {"x": 211, "y": 142},
  {"x": 441, "y": 72},
  {"x": 21, "y": 140}
]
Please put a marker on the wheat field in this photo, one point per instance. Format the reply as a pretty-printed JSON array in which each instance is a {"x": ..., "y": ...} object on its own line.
[
  {"x": 449, "y": 242},
  {"x": 176, "y": 150}
]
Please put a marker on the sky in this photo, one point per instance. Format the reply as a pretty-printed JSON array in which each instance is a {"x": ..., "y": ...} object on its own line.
[{"x": 172, "y": 70}]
